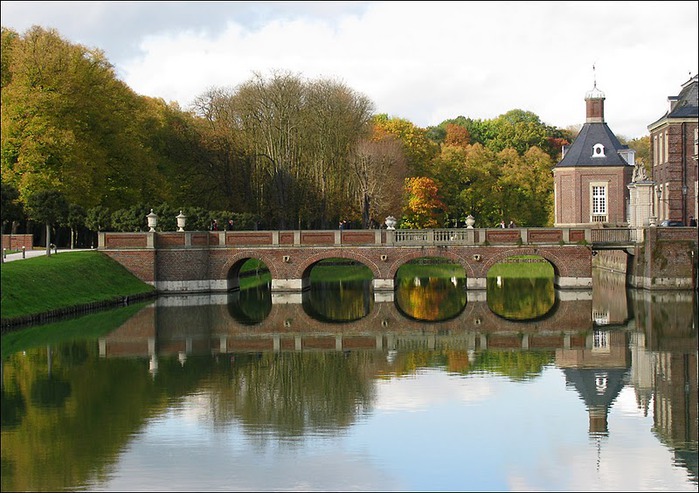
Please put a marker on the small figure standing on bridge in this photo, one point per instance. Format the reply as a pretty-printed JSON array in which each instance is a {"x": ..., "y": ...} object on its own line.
[
  {"x": 502, "y": 224},
  {"x": 512, "y": 225},
  {"x": 229, "y": 225},
  {"x": 214, "y": 225}
]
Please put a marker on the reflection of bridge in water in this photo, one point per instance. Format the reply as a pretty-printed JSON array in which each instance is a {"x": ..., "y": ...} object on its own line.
[{"x": 202, "y": 324}]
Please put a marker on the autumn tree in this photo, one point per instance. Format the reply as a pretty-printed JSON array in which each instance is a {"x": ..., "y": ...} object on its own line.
[
  {"x": 377, "y": 165},
  {"x": 456, "y": 135},
  {"x": 424, "y": 207},
  {"x": 419, "y": 150}
]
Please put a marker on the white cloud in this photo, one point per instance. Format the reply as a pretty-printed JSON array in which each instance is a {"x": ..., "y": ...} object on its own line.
[{"x": 423, "y": 61}]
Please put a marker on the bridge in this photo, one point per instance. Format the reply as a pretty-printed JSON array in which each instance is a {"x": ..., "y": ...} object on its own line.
[
  {"x": 202, "y": 324},
  {"x": 210, "y": 261}
]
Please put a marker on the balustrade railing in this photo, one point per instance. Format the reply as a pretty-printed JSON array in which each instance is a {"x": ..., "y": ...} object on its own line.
[{"x": 613, "y": 235}]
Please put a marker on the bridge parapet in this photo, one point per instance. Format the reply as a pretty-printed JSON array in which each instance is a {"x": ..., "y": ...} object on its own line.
[{"x": 400, "y": 237}]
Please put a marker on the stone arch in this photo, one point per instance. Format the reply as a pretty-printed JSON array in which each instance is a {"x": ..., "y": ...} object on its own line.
[
  {"x": 557, "y": 263},
  {"x": 407, "y": 256},
  {"x": 304, "y": 267},
  {"x": 237, "y": 260}
]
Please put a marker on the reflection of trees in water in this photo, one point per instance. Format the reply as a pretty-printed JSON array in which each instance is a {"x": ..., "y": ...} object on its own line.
[
  {"x": 517, "y": 365},
  {"x": 430, "y": 298},
  {"x": 521, "y": 298},
  {"x": 296, "y": 394},
  {"x": 338, "y": 301},
  {"x": 251, "y": 305}
]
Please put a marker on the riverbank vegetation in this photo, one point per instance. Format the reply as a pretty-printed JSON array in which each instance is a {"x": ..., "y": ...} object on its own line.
[{"x": 42, "y": 284}]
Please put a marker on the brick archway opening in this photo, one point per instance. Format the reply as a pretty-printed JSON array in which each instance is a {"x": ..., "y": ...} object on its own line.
[{"x": 233, "y": 267}]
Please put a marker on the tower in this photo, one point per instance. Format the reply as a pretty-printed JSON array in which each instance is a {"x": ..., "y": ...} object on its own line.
[{"x": 590, "y": 180}]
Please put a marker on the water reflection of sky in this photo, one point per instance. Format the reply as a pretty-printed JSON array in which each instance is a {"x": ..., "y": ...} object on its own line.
[{"x": 430, "y": 431}]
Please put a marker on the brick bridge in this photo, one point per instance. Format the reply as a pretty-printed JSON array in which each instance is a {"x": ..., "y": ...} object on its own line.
[
  {"x": 209, "y": 261},
  {"x": 192, "y": 324}
]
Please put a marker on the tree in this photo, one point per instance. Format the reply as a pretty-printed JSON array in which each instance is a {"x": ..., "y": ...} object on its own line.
[
  {"x": 419, "y": 149},
  {"x": 11, "y": 208},
  {"x": 75, "y": 219},
  {"x": 424, "y": 206},
  {"x": 456, "y": 135},
  {"x": 48, "y": 207},
  {"x": 69, "y": 123},
  {"x": 377, "y": 165}
]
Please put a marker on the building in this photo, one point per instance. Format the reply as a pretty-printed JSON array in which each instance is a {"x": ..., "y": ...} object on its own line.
[
  {"x": 591, "y": 180},
  {"x": 674, "y": 145}
]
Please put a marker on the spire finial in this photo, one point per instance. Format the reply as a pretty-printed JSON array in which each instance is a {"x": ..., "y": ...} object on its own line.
[{"x": 594, "y": 75}]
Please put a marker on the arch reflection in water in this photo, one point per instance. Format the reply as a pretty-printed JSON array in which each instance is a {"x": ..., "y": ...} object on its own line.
[
  {"x": 431, "y": 299},
  {"x": 430, "y": 289},
  {"x": 521, "y": 298},
  {"x": 339, "y": 301},
  {"x": 250, "y": 306}
]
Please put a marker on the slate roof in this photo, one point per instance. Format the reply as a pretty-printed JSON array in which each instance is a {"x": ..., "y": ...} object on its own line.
[
  {"x": 687, "y": 104},
  {"x": 580, "y": 151}
]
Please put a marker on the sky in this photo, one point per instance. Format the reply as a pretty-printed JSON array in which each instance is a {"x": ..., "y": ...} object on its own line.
[{"x": 425, "y": 62}]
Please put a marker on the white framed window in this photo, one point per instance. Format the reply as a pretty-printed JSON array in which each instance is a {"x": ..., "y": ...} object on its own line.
[
  {"x": 667, "y": 149},
  {"x": 598, "y": 196},
  {"x": 598, "y": 150}
]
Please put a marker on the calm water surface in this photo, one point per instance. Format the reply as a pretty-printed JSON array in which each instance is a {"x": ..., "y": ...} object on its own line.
[{"x": 432, "y": 388}]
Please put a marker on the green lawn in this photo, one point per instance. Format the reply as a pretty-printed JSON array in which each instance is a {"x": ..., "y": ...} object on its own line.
[{"x": 41, "y": 284}]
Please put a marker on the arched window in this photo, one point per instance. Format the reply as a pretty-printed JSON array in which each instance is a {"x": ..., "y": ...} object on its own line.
[{"x": 598, "y": 150}]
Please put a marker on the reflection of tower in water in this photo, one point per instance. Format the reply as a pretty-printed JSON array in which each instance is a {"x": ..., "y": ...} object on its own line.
[
  {"x": 597, "y": 373},
  {"x": 609, "y": 298}
]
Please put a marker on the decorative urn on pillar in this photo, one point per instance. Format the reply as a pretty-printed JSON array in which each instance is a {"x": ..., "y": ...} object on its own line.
[
  {"x": 152, "y": 221},
  {"x": 470, "y": 221},
  {"x": 390, "y": 222},
  {"x": 181, "y": 218}
]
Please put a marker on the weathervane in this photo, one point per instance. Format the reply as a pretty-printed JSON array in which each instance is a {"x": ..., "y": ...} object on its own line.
[{"x": 594, "y": 75}]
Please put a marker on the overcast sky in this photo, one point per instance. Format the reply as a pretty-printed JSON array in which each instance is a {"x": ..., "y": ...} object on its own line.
[{"x": 422, "y": 61}]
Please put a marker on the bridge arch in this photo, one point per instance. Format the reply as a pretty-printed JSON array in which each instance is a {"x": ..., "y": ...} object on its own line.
[
  {"x": 304, "y": 269},
  {"x": 230, "y": 271},
  {"x": 406, "y": 257},
  {"x": 559, "y": 266}
]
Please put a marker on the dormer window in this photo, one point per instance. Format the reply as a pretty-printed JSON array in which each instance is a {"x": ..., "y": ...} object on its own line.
[{"x": 598, "y": 150}]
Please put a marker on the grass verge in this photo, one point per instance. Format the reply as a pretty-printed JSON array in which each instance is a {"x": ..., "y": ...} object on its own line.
[{"x": 43, "y": 284}]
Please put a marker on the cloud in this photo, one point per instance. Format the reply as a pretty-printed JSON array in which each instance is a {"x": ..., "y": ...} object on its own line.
[{"x": 423, "y": 61}]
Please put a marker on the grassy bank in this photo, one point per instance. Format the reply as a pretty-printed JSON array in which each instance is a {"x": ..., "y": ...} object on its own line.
[{"x": 44, "y": 284}]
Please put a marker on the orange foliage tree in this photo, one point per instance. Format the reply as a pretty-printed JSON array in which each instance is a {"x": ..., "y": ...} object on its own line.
[{"x": 424, "y": 208}]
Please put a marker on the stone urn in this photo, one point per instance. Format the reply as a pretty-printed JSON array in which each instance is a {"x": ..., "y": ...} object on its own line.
[
  {"x": 470, "y": 221},
  {"x": 181, "y": 219},
  {"x": 152, "y": 221},
  {"x": 390, "y": 222}
]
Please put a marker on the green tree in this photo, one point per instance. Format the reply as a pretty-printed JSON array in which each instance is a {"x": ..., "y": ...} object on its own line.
[
  {"x": 48, "y": 207},
  {"x": 69, "y": 123},
  {"x": 75, "y": 220},
  {"x": 10, "y": 208}
]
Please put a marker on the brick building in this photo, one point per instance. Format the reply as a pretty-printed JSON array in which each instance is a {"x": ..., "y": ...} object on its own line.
[
  {"x": 591, "y": 180},
  {"x": 674, "y": 145}
]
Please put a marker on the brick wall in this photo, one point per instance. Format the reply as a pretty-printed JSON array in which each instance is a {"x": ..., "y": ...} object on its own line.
[{"x": 16, "y": 242}]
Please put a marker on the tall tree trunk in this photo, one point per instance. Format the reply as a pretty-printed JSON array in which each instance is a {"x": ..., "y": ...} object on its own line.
[{"x": 48, "y": 239}]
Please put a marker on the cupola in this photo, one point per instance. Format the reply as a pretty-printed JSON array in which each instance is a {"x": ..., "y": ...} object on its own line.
[{"x": 594, "y": 105}]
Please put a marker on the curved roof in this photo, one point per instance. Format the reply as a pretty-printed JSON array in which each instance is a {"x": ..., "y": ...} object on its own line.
[{"x": 582, "y": 148}]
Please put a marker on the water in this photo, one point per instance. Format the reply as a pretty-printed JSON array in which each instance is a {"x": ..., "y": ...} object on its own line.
[{"x": 253, "y": 392}]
